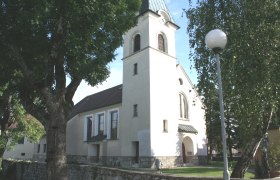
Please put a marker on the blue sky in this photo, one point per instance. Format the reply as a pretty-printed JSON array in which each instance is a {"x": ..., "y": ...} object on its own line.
[{"x": 182, "y": 49}]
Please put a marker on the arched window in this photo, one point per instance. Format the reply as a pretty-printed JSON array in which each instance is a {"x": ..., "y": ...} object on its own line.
[
  {"x": 180, "y": 81},
  {"x": 137, "y": 41},
  {"x": 161, "y": 43},
  {"x": 183, "y": 107}
]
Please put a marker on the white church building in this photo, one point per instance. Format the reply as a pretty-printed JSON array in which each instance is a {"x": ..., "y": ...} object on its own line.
[{"x": 155, "y": 114}]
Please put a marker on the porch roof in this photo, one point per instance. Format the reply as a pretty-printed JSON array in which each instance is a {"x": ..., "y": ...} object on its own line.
[{"x": 187, "y": 129}]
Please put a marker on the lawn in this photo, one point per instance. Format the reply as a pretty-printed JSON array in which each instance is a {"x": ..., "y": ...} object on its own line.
[{"x": 201, "y": 171}]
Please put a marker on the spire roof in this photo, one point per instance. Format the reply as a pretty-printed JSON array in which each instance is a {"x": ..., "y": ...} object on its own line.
[{"x": 155, "y": 6}]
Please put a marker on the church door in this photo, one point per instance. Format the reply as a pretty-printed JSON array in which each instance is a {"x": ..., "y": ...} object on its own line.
[{"x": 184, "y": 153}]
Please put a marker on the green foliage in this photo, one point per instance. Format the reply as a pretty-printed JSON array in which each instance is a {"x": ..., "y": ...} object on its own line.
[
  {"x": 249, "y": 63},
  {"x": 250, "y": 66},
  {"x": 20, "y": 124},
  {"x": 44, "y": 42},
  {"x": 274, "y": 156},
  {"x": 85, "y": 33}
]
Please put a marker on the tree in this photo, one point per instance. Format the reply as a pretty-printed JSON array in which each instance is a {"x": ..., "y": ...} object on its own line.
[
  {"x": 15, "y": 123},
  {"x": 213, "y": 126},
  {"x": 44, "y": 42},
  {"x": 249, "y": 65}
]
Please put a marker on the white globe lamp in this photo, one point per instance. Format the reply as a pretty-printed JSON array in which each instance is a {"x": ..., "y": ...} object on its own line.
[{"x": 216, "y": 40}]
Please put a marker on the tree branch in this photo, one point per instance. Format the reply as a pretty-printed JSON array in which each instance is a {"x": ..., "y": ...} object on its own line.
[
  {"x": 57, "y": 56},
  {"x": 7, "y": 98},
  {"x": 36, "y": 110},
  {"x": 71, "y": 89}
]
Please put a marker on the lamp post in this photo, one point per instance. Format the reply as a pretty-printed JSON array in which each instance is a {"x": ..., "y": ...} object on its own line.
[{"x": 217, "y": 40}]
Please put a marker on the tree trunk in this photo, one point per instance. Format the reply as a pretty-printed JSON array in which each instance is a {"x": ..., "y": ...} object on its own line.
[
  {"x": 4, "y": 122},
  {"x": 210, "y": 153},
  {"x": 263, "y": 165},
  {"x": 56, "y": 146},
  {"x": 250, "y": 149},
  {"x": 4, "y": 141},
  {"x": 245, "y": 159}
]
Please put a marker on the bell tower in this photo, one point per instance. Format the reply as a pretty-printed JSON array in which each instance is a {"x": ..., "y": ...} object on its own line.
[{"x": 149, "y": 86}]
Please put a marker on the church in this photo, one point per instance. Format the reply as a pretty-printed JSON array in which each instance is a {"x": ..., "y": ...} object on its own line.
[{"x": 155, "y": 115}]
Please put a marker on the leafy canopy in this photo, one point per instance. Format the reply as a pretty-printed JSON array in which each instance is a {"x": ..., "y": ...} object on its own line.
[
  {"x": 250, "y": 63},
  {"x": 43, "y": 42}
]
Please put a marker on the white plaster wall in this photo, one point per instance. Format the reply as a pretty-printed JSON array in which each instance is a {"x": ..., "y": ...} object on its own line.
[
  {"x": 135, "y": 91},
  {"x": 74, "y": 136},
  {"x": 16, "y": 152},
  {"x": 196, "y": 111},
  {"x": 163, "y": 104},
  {"x": 163, "y": 89},
  {"x": 113, "y": 148},
  {"x": 75, "y": 144}
]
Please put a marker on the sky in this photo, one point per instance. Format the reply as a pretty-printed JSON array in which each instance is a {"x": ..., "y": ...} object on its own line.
[{"x": 182, "y": 52}]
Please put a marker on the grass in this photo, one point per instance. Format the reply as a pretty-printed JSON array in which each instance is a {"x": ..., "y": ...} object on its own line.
[
  {"x": 214, "y": 169},
  {"x": 195, "y": 171}
]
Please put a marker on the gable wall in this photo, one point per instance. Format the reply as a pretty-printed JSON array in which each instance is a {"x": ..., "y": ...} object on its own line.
[{"x": 196, "y": 111}]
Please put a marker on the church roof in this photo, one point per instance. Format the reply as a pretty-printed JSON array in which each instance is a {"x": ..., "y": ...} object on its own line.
[
  {"x": 155, "y": 6},
  {"x": 98, "y": 100}
]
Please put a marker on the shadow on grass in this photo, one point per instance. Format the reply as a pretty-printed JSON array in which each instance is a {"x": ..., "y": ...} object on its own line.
[{"x": 198, "y": 171}]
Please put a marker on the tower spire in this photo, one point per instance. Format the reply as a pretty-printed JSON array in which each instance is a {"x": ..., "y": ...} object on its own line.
[{"x": 155, "y": 6}]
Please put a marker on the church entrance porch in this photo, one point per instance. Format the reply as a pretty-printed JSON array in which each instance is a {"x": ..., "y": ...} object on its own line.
[{"x": 188, "y": 151}]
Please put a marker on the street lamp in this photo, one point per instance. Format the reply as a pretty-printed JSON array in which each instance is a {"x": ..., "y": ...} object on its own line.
[{"x": 217, "y": 40}]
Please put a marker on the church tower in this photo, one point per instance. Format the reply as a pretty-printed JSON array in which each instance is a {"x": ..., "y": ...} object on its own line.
[{"x": 149, "y": 99}]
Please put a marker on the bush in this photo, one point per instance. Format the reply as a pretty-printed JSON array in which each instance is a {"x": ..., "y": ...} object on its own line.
[{"x": 274, "y": 156}]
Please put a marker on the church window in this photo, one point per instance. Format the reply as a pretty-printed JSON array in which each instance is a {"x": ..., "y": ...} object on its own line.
[
  {"x": 89, "y": 126},
  {"x": 45, "y": 148},
  {"x": 135, "y": 110},
  {"x": 38, "y": 148},
  {"x": 161, "y": 43},
  {"x": 135, "y": 69},
  {"x": 114, "y": 124},
  {"x": 165, "y": 126},
  {"x": 137, "y": 42},
  {"x": 180, "y": 81},
  {"x": 100, "y": 120},
  {"x": 183, "y": 106}
]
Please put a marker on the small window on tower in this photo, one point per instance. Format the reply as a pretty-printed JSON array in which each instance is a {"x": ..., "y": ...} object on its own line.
[
  {"x": 137, "y": 42},
  {"x": 135, "y": 110},
  {"x": 135, "y": 69},
  {"x": 165, "y": 126},
  {"x": 161, "y": 43}
]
